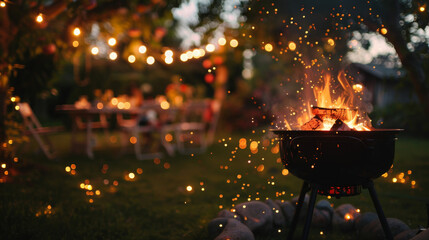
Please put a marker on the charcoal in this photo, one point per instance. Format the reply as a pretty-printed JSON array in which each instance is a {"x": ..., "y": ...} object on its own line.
[
  {"x": 314, "y": 124},
  {"x": 340, "y": 126}
]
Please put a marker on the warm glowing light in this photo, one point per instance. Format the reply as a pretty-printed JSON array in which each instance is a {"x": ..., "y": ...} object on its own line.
[
  {"x": 95, "y": 50},
  {"x": 331, "y": 42},
  {"x": 139, "y": 170},
  {"x": 189, "y": 188},
  {"x": 242, "y": 143},
  {"x": 131, "y": 175},
  {"x": 13, "y": 99},
  {"x": 168, "y": 60},
  {"x": 358, "y": 87},
  {"x": 268, "y": 47},
  {"x": 3, "y": 165},
  {"x": 100, "y": 105},
  {"x": 168, "y": 137},
  {"x": 221, "y": 41},
  {"x": 97, "y": 192},
  {"x": 233, "y": 43},
  {"x": 413, "y": 183},
  {"x": 75, "y": 43},
  {"x": 239, "y": 176},
  {"x": 114, "y": 101},
  {"x": 150, "y": 60},
  {"x": 111, "y": 41},
  {"x": 183, "y": 57},
  {"x": 292, "y": 46},
  {"x": 253, "y": 145},
  {"x": 142, "y": 49},
  {"x": 347, "y": 217},
  {"x": 422, "y": 8},
  {"x": 383, "y": 31},
  {"x": 394, "y": 180},
  {"x": 68, "y": 169},
  {"x": 165, "y": 105},
  {"x": 2, "y": 4},
  {"x": 202, "y": 52},
  {"x": 285, "y": 172},
  {"x": 113, "y": 56},
  {"x": 133, "y": 140},
  {"x": 16, "y": 107},
  {"x": 260, "y": 168},
  {"x": 76, "y": 31},
  {"x": 131, "y": 59},
  {"x": 196, "y": 53},
  {"x": 39, "y": 18},
  {"x": 210, "y": 47},
  {"x": 168, "y": 53},
  {"x": 82, "y": 185}
]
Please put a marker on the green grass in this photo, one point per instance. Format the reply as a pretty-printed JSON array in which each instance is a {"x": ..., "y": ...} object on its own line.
[{"x": 156, "y": 204}]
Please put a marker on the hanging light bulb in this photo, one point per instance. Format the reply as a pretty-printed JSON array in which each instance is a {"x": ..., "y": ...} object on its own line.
[
  {"x": 113, "y": 56},
  {"x": 150, "y": 60},
  {"x": 76, "y": 31},
  {"x": 111, "y": 42},
  {"x": 142, "y": 49}
]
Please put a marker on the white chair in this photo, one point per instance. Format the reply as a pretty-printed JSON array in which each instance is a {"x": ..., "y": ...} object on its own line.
[
  {"x": 34, "y": 128},
  {"x": 197, "y": 127}
]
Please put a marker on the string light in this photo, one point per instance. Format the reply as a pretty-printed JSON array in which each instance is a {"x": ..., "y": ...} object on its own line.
[
  {"x": 221, "y": 41},
  {"x": 422, "y": 8},
  {"x": 111, "y": 42},
  {"x": 150, "y": 60},
  {"x": 142, "y": 49},
  {"x": 292, "y": 46},
  {"x": 268, "y": 47},
  {"x": 383, "y": 31},
  {"x": 75, "y": 43},
  {"x": 183, "y": 57},
  {"x": 131, "y": 59},
  {"x": 233, "y": 43},
  {"x": 169, "y": 60},
  {"x": 76, "y": 31},
  {"x": 168, "y": 53},
  {"x": 210, "y": 47},
  {"x": 2, "y": 4},
  {"x": 95, "y": 50},
  {"x": 113, "y": 56}
]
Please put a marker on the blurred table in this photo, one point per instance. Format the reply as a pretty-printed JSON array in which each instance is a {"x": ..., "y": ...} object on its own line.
[{"x": 86, "y": 117}]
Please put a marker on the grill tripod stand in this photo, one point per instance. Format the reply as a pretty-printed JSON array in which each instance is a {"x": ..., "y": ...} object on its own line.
[{"x": 315, "y": 187}]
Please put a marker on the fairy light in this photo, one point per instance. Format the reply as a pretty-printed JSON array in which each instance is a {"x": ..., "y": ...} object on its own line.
[
  {"x": 131, "y": 175},
  {"x": 383, "y": 31},
  {"x": 111, "y": 41},
  {"x": 292, "y": 46},
  {"x": 76, "y": 31},
  {"x": 221, "y": 41},
  {"x": 39, "y": 18},
  {"x": 150, "y": 60},
  {"x": 210, "y": 47},
  {"x": 168, "y": 54},
  {"x": 142, "y": 49},
  {"x": 331, "y": 42},
  {"x": 189, "y": 188},
  {"x": 2, "y": 4},
  {"x": 95, "y": 50},
  {"x": 75, "y": 43},
  {"x": 113, "y": 56},
  {"x": 268, "y": 47},
  {"x": 183, "y": 57},
  {"x": 168, "y": 60},
  {"x": 422, "y": 8},
  {"x": 233, "y": 43},
  {"x": 131, "y": 59}
]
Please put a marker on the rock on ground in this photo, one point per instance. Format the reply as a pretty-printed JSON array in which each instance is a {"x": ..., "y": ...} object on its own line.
[
  {"x": 422, "y": 236},
  {"x": 216, "y": 226},
  {"x": 288, "y": 210},
  {"x": 279, "y": 220},
  {"x": 344, "y": 216},
  {"x": 235, "y": 230},
  {"x": 364, "y": 219},
  {"x": 321, "y": 218},
  {"x": 256, "y": 215},
  {"x": 407, "y": 235},
  {"x": 374, "y": 230},
  {"x": 228, "y": 214}
]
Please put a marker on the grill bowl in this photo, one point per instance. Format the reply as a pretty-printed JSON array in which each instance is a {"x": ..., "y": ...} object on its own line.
[{"x": 337, "y": 158}]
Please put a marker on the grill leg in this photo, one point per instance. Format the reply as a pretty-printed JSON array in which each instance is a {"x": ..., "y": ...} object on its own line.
[
  {"x": 380, "y": 212},
  {"x": 311, "y": 204},
  {"x": 304, "y": 189}
]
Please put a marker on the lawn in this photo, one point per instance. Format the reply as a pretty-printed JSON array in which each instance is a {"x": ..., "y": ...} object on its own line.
[{"x": 44, "y": 201}]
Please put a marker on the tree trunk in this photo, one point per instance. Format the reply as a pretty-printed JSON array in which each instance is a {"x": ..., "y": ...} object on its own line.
[{"x": 410, "y": 60}]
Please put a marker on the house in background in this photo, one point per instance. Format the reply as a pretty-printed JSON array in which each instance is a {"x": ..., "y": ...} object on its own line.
[{"x": 385, "y": 84}]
